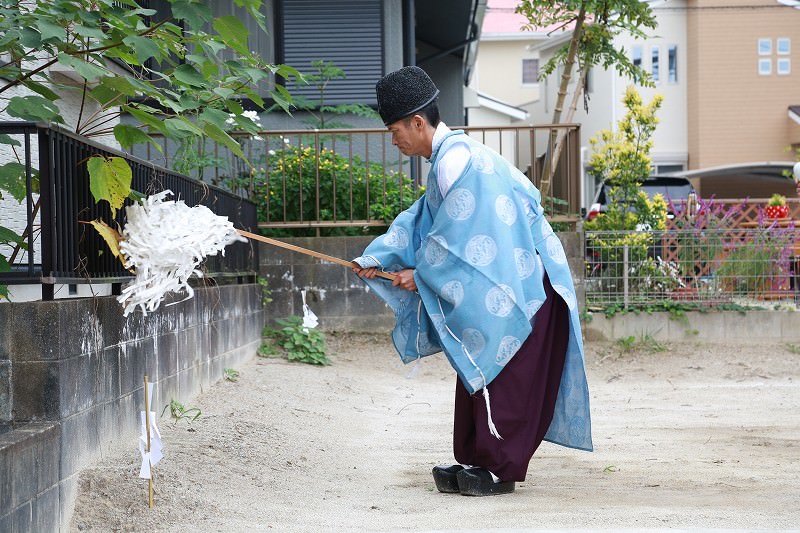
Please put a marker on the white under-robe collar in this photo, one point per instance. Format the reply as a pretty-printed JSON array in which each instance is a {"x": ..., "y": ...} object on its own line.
[{"x": 438, "y": 136}]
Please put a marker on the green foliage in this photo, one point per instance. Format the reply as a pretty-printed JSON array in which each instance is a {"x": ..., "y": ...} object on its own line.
[
  {"x": 305, "y": 345},
  {"x": 622, "y": 159},
  {"x": 646, "y": 342},
  {"x": 231, "y": 374},
  {"x": 792, "y": 348},
  {"x": 605, "y": 20},
  {"x": 777, "y": 200},
  {"x": 266, "y": 292},
  {"x": 180, "y": 412},
  {"x": 324, "y": 73},
  {"x": 759, "y": 266},
  {"x": 626, "y": 344},
  {"x": 267, "y": 349},
  {"x": 788, "y": 172},
  {"x": 110, "y": 180},
  {"x": 348, "y": 189},
  {"x": 188, "y": 70}
]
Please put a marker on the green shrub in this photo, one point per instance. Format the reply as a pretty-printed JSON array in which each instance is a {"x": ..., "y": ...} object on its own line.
[
  {"x": 305, "y": 345},
  {"x": 349, "y": 188}
]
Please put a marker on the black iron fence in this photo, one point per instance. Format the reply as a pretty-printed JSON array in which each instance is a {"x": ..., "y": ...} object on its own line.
[{"x": 59, "y": 249}]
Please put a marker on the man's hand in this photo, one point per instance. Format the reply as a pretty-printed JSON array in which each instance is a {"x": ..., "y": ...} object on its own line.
[
  {"x": 405, "y": 280},
  {"x": 368, "y": 273}
]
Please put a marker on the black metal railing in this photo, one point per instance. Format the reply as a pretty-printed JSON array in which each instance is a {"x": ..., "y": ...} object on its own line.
[{"x": 60, "y": 249}]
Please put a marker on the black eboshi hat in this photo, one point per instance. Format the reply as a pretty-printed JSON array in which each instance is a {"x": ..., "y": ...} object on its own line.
[{"x": 404, "y": 92}]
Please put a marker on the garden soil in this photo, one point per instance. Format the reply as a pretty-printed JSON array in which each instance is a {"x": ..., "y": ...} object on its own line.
[{"x": 696, "y": 436}]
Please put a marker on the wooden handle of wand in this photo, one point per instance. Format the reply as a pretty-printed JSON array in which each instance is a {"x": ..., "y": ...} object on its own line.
[{"x": 312, "y": 253}]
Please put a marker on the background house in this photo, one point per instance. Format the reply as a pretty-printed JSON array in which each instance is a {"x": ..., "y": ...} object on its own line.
[
  {"x": 726, "y": 75},
  {"x": 366, "y": 39}
]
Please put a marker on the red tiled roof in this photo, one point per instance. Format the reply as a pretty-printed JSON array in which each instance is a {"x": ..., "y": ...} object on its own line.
[{"x": 501, "y": 18}]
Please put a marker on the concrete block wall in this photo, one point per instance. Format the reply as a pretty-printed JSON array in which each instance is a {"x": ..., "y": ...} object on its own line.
[
  {"x": 695, "y": 326},
  {"x": 336, "y": 295},
  {"x": 71, "y": 384}
]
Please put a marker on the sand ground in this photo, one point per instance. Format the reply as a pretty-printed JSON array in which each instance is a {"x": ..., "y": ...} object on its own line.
[{"x": 696, "y": 436}]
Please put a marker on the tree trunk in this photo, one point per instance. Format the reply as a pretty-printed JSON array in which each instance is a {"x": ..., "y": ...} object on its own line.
[
  {"x": 562, "y": 132},
  {"x": 552, "y": 160}
]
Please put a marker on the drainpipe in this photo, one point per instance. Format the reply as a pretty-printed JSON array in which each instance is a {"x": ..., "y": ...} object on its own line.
[
  {"x": 410, "y": 58},
  {"x": 409, "y": 34}
]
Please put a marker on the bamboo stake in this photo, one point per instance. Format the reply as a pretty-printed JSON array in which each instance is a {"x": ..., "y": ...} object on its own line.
[
  {"x": 147, "y": 426},
  {"x": 312, "y": 253}
]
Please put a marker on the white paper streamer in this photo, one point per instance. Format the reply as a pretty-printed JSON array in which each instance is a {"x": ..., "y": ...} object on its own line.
[
  {"x": 310, "y": 320},
  {"x": 151, "y": 458},
  {"x": 165, "y": 242}
]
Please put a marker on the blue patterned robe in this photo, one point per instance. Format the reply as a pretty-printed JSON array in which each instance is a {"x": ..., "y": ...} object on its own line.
[{"x": 478, "y": 279}]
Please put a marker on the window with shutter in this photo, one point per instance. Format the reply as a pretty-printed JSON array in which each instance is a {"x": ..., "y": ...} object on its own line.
[{"x": 347, "y": 33}]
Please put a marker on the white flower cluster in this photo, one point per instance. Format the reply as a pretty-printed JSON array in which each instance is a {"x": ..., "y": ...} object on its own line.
[
  {"x": 252, "y": 115},
  {"x": 165, "y": 242}
]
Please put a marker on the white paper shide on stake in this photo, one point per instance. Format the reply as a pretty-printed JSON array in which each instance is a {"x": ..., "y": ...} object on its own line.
[
  {"x": 165, "y": 242},
  {"x": 310, "y": 320},
  {"x": 154, "y": 455}
]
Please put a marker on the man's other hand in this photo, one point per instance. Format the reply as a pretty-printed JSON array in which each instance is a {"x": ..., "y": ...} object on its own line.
[{"x": 405, "y": 280}]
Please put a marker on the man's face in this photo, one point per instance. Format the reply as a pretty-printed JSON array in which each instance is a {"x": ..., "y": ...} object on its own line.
[{"x": 407, "y": 135}]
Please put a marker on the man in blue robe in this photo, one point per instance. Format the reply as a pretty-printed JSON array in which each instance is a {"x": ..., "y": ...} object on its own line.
[{"x": 481, "y": 276}]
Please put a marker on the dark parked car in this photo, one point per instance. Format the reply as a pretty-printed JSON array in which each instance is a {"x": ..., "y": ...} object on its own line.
[{"x": 671, "y": 188}]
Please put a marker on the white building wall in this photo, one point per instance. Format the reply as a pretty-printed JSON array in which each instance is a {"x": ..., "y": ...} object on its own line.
[{"x": 498, "y": 69}]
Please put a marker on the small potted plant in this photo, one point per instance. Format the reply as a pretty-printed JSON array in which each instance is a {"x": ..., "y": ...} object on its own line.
[{"x": 776, "y": 207}]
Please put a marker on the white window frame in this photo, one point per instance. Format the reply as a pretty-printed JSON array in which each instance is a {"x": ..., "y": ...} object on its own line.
[
  {"x": 765, "y": 46},
  {"x": 783, "y": 66},
  {"x": 522, "y": 74},
  {"x": 655, "y": 63},
  {"x": 765, "y": 67},
  {"x": 636, "y": 53},
  {"x": 787, "y": 42},
  {"x": 672, "y": 61}
]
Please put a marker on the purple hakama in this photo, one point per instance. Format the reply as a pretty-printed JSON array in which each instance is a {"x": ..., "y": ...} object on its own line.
[{"x": 523, "y": 398}]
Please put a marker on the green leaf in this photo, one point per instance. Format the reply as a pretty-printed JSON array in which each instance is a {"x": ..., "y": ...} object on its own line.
[
  {"x": 91, "y": 32},
  {"x": 233, "y": 32},
  {"x": 217, "y": 134},
  {"x": 41, "y": 89},
  {"x": 189, "y": 75},
  {"x": 147, "y": 118},
  {"x": 30, "y": 38},
  {"x": 143, "y": 47},
  {"x": 12, "y": 179},
  {"x": 33, "y": 108},
  {"x": 235, "y": 108},
  {"x": 8, "y": 236},
  {"x": 128, "y": 135},
  {"x": 189, "y": 101},
  {"x": 216, "y": 117},
  {"x": 224, "y": 92},
  {"x": 196, "y": 14},
  {"x": 109, "y": 180},
  {"x": 181, "y": 124},
  {"x": 89, "y": 71},
  {"x": 8, "y": 139},
  {"x": 128, "y": 87},
  {"x": 48, "y": 30}
]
